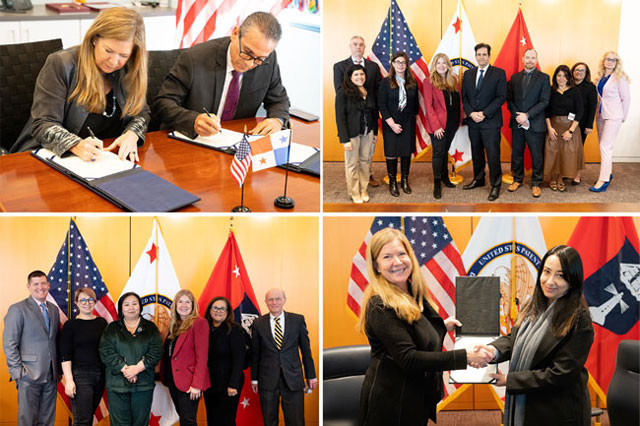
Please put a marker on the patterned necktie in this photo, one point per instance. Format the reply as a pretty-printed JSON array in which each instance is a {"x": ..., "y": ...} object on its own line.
[
  {"x": 233, "y": 93},
  {"x": 480, "y": 80},
  {"x": 45, "y": 314},
  {"x": 277, "y": 331}
]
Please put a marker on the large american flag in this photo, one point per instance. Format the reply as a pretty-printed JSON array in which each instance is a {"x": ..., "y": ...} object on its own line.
[
  {"x": 440, "y": 263},
  {"x": 202, "y": 20},
  {"x": 241, "y": 161},
  {"x": 394, "y": 38},
  {"x": 74, "y": 268}
]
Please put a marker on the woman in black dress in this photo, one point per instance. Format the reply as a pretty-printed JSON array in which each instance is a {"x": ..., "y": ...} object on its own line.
[
  {"x": 81, "y": 365},
  {"x": 582, "y": 80},
  {"x": 227, "y": 352},
  {"x": 398, "y": 104}
]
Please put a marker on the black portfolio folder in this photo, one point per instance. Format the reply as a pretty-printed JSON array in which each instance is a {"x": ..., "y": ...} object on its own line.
[
  {"x": 135, "y": 190},
  {"x": 478, "y": 306}
]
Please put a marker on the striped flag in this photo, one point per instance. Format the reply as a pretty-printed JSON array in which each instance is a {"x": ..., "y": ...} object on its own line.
[
  {"x": 440, "y": 263},
  {"x": 241, "y": 161},
  {"x": 398, "y": 37},
  {"x": 202, "y": 20},
  {"x": 74, "y": 268}
]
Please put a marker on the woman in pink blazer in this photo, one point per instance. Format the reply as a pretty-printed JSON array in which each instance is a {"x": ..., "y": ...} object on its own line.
[
  {"x": 613, "y": 91},
  {"x": 444, "y": 113},
  {"x": 186, "y": 350}
]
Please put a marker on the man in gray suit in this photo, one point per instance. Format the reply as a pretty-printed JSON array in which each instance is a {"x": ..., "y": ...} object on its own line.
[
  {"x": 278, "y": 339},
  {"x": 29, "y": 341}
]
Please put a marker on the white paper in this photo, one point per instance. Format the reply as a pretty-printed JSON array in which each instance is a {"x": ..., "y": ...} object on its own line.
[
  {"x": 223, "y": 139},
  {"x": 105, "y": 164},
  {"x": 473, "y": 375},
  {"x": 300, "y": 153}
]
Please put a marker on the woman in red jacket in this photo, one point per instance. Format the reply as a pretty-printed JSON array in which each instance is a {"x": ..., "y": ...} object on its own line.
[
  {"x": 184, "y": 364},
  {"x": 444, "y": 112}
]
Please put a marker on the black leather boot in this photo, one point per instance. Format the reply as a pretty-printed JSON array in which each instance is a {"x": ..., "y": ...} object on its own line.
[
  {"x": 445, "y": 180},
  {"x": 405, "y": 163},
  {"x": 437, "y": 189},
  {"x": 392, "y": 171}
]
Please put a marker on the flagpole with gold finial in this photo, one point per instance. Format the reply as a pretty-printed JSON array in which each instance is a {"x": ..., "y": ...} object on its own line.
[
  {"x": 453, "y": 176},
  {"x": 69, "y": 298},
  {"x": 514, "y": 309},
  {"x": 390, "y": 33}
]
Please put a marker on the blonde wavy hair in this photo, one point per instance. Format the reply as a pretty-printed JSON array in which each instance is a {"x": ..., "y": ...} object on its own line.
[
  {"x": 618, "y": 72},
  {"x": 450, "y": 80},
  {"x": 121, "y": 24},
  {"x": 177, "y": 325},
  {"x": 408, "y": 308}
]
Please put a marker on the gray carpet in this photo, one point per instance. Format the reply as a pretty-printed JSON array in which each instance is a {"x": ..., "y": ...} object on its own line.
[{"x": 625, "y": 187}]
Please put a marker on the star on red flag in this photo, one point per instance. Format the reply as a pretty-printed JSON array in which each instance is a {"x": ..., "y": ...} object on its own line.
[
  {"x": 457, "y": 156},
  {"x": 236, "y": 271},
  {"x": 523, "y": 41},
  {"x": 457, "y": 25},
  {"x": 154, "y": 420},
  {"x": 152, "y": 252}
]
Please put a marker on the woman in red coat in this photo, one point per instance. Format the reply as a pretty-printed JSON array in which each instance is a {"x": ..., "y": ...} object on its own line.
[
  {"x": 184, "y": 364},
  {"x": 444, "y": 112}
]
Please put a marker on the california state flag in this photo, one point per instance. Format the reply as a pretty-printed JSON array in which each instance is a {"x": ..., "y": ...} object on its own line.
[
  {"x": 458, "y": 43},
  {"x": 155, "y": 281}
]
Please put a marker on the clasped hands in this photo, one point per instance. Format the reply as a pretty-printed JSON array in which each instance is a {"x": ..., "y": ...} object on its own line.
[
  {"x": 209, "y": 125},
  {"x": 130, "y": 372},
  {"x": 480, "y": 356}
]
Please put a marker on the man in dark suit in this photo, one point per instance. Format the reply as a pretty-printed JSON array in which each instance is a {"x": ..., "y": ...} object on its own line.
[
  {"x": 484, "y": 90},
  {"x": 278, "y": 339},
  {"x": 29, "y": 342},
  {"x": 230, "y": 77},
  {"x": 528, "y": 94},
  {"x": 357, "y": 47}
]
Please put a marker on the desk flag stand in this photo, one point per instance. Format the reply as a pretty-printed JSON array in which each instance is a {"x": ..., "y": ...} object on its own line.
[
  {"x": 242, "y": 208},
  {"x": 283, "y": 201}
]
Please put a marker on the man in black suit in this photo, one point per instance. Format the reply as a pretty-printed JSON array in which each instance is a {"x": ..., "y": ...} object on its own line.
[
  {"x": 484, "y": 90},
  {"x": 278, "y": 338},
  {"x": 230, "y": 77},
  {"x": 528, "y": 94},
  {"x": 29, "y": 341},
  {"x": 357, "y": 47}
]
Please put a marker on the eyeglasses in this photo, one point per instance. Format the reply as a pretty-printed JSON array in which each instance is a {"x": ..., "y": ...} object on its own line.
[
  {"x": 611, "y": 59},
  {"x": 399, "y": 62},
  {"x": 218, "y": 309},
  {"x": 260, "y": 60},
  {"x": 90, "y": 300},
  {"x": 579, "y": 70}
]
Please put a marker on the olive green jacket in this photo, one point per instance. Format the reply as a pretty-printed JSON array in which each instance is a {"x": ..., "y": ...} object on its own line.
[{"x": 118, "y": 348}]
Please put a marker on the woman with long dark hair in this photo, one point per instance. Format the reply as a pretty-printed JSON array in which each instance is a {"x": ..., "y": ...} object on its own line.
[
  {"x": 398, "y": 104},
  {"x": 582, "y": 79},
  {"x": 548, "y": 347}
]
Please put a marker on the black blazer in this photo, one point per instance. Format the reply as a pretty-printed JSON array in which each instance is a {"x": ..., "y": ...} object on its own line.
[
  {"x": 556, "y": 385},
  {"x": 488, "y": 99},
  {"x": 533, "y": 104},
  {"x": 349, "y": 113},
  {"x": 268, "y": 362},
  {"x": 197, "y": 78},
  {"x": 227, "y": 353},
  {"x": 403, "y": 383},
  {"x": 590, "y": 102},
  {"x": 373, "y": 74}
]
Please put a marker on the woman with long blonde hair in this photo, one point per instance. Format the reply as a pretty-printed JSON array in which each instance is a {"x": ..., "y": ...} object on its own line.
[
  {"x": 95, "y": 89},
  {"x": 403, "y": 383},
  {"x": 443, "y": 104},
  {"x": 613, "y": 91},
  {"x": 184, "y": 368}
]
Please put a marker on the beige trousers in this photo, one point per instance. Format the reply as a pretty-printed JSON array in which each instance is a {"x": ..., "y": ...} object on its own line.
[{"x": 357, "y": 164}]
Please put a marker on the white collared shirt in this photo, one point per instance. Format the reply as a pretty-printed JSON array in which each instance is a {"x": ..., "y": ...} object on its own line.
[
  {"x": 484, "y": 74},
  {"x": 355, "y": 63},
  {"x": 227, "y": 81},
  {"x": 272, "y": 321}
]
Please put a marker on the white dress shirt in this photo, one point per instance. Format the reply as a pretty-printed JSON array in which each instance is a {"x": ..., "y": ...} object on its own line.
[
  {"x": 227, "y": 81},
  {"x": 483, "y": 74}
]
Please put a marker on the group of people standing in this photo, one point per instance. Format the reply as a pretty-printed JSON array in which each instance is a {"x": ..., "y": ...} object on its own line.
[
  {"x": 200, "y": 357},
  {"x": 552, "y": 120}
]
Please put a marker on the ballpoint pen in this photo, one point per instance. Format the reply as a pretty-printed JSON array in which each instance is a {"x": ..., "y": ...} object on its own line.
[{"x": 210, "y": 116}]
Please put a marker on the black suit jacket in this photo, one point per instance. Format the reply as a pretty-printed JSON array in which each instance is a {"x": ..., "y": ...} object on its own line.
[
  {"x": 534, "y": 103},
  {"x": 197, "y": 78},
  {"x": 556, "y": 384},
  {"x": 489, "y": 99},
  {"x": 268, "y": 362},
  {"x": 349, "y": 113},
  {"x": 226, "y": 357}
]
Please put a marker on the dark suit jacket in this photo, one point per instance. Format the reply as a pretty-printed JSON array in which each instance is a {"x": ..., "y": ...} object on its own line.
[
  {"x": 403, "y": 383},
  {"x": 190, "y": 356},
  {"x": 534, "y": 104},
  {"x": 373, "y": 74},
  {"x": 268, "y": 362},
  {"x": 489, "y": 99},
  {"x": 227, "y": 354},
  {"x": 29, "y": 349},
  {"x": 349, "y": 113},
  {"x": 556, "y": 384},
  {"x": 197, "y": 78}
]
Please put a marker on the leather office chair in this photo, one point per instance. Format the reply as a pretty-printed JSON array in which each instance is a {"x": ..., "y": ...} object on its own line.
[
  {"x": 20, "y": 65},
  {"x": 623, "y": 401},
  {"x": 160, "y": 62},
  {"x": 344, "y": 369}
]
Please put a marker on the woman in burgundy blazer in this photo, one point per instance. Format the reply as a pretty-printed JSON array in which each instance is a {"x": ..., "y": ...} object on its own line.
[
  {"x": 444, "y": 114},
  {"x": 186, "y": 350}
]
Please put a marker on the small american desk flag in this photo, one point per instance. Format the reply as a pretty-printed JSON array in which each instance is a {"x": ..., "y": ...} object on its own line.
[{"x": 241, "y": 161}]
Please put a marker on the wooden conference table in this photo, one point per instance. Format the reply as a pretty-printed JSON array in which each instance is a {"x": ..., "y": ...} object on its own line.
[{"x": 29, "y": 185}]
